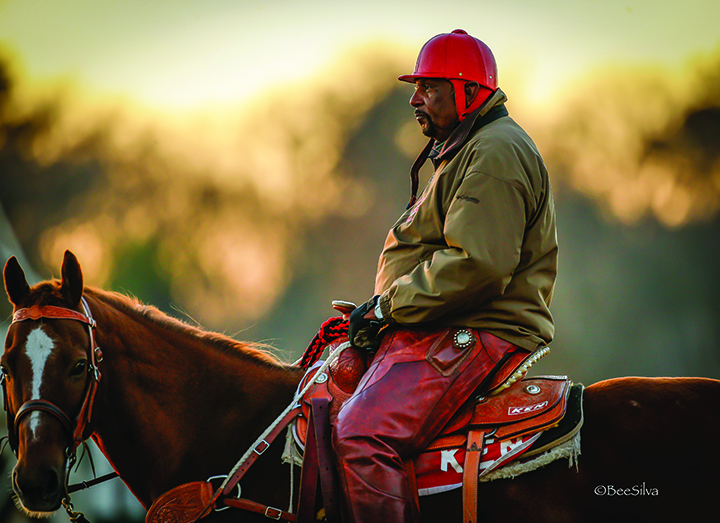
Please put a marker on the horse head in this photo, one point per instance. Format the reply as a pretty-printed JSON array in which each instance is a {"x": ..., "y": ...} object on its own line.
[{"x": 49, "y": 380}]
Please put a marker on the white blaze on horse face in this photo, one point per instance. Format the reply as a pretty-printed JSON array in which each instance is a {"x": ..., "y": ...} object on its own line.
[{"x": 38, "y": 348}]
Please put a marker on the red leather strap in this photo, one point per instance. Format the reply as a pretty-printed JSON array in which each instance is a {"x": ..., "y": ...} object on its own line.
[
  {"x": 471, "y": 469},
  {"x": 326, "y": 467},
  {"x": 48, "y": 311},
  {"x": 209, "y": 504},
  {"x": 259, "y": 449},
  {"x": 318, "y": 468},
  {"x": 309, "y": 475},
  {"x": 259, "y": 508}
]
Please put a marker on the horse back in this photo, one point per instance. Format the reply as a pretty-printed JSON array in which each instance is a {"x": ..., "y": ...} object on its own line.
[
  {"x": 648, "y": 453},
  {"x": 627, "y": 407}
]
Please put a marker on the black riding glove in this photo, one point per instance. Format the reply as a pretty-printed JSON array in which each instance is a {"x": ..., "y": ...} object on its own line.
[{"x": 364, "y": 326}]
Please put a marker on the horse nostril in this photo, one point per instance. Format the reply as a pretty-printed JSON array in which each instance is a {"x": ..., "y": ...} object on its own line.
[
  {"x": 52, "y": 485},
  {"x": 43, "y": 488}
]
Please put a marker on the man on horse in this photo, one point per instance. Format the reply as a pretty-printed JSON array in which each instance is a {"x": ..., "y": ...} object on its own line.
[{"x": 463, "y": 284}]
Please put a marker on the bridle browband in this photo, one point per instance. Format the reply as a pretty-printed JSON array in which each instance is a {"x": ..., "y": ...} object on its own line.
[{"x": 77, "y": 427}]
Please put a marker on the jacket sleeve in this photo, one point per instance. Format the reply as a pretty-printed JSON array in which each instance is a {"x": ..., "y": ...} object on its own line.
[{"x": 483, "y": 230}]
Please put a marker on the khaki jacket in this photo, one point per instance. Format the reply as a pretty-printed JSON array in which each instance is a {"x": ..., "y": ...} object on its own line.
[{"x": 479, "y": 246}]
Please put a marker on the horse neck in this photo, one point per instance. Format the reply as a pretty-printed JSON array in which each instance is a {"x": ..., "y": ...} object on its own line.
[{"x": 172, "y": 408}]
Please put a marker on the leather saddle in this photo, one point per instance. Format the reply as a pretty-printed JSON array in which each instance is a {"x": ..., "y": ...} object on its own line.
[{"x": 512, "y": 407}]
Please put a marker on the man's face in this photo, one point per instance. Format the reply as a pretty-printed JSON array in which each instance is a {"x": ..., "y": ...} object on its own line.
[{"x": 434, "y": 103}]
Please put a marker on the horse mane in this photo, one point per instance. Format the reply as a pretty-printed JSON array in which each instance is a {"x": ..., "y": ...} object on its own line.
[{"x": 48, "y": 293}]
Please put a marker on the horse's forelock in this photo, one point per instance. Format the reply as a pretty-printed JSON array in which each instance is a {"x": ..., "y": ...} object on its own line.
[{"x": 45, "y": 293}]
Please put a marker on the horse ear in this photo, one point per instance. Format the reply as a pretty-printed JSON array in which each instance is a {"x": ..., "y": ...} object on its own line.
[
  {"x": 16, "y": 284},
  {"x": 72, "y": 279}
]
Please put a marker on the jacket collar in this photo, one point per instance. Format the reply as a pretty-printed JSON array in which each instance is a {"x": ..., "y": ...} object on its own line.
[{"x": 492, "y": 109}]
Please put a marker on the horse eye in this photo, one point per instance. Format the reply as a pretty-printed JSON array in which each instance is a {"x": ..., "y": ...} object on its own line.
[
  {"x": 4, "y": 371},
  {"x": 79, "y": 369}
]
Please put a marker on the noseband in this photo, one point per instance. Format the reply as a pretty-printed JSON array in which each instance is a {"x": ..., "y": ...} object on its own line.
[{"x": 76, "y": 428}]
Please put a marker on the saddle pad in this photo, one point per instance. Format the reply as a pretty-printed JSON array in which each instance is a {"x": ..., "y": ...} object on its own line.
[{"x": 442, "y": 469}]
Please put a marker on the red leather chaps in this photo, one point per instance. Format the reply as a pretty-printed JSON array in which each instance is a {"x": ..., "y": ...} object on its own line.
[{"x": 416, "y": 382}]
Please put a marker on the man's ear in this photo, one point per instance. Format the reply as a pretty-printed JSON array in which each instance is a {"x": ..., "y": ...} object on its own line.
[{"x": 471, "y": 91}]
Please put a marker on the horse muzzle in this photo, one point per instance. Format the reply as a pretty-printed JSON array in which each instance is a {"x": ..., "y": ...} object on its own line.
[
  {"x": 38, "y": 478},
  {"x": 40, "y": 490}
]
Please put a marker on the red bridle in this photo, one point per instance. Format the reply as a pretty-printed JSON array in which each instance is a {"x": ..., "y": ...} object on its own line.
[{"x": 77, "y": 428}]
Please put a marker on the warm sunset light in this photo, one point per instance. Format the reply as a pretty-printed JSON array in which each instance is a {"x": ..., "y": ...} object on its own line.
[
  {"x": 185, "y": 54},
  {"x": 238, "y": 163},
  {"x": 209, "y": 142},
  {"x": 238, "y": 113}
]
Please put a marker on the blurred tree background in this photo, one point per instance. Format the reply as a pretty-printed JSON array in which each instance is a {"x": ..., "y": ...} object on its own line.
[{"x": 252, "y": 223}]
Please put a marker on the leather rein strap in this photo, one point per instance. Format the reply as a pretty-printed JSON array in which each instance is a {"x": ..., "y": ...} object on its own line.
[
  {"x": 182, "y": 501},
  {"x": 77, "y": 428}
]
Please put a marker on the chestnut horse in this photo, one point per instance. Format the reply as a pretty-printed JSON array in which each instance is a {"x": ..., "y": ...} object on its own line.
[{"x": 175, "y": 404}]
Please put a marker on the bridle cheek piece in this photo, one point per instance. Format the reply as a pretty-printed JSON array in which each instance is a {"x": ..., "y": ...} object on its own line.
[{"x": 77, "y": 428}]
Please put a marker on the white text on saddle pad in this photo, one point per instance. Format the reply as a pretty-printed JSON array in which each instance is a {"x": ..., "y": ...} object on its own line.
[
  {"x": 514, "y": 411},
  {"x": 447, "y": 457}
]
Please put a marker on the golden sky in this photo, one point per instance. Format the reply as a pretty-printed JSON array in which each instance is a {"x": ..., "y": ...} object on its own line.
[
  {"x": 187, "y": 53},
  {"x": 594, "y": 81}
]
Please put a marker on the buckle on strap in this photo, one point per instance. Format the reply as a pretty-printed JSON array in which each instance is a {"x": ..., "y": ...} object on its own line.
[
  {"x": 223, "y": 477},
  {"x": 273, "y": 513},
  {"x": 261, "y": 447}
]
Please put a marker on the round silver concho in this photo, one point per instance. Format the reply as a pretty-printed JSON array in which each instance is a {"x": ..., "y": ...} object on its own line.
[
  {"x": 532, "y": 389},
  {"x": 463, "y": 339},
  {"x": 322, "y": 378}
]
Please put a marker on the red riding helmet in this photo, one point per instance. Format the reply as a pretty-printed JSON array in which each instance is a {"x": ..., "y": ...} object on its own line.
[{"x": 460, "y": 58}]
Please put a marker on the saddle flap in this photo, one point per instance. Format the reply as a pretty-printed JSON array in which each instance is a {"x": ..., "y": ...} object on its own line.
[
  {"x": 529, "y": 404},
  {"x": 337, "y": 385}
]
